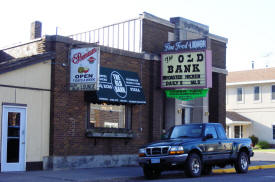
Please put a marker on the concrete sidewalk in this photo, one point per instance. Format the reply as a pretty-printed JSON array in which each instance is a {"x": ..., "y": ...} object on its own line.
[
  {"x": 113, "y": 174},
  {"x": 74, "y": 175}
]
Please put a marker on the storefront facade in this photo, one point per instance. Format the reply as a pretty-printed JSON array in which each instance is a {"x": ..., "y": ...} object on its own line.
[{"x": 106, "y": 127}]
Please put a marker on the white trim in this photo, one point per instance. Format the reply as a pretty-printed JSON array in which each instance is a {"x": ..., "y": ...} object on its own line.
[
  {"x": 230, "y": 122},
  {"x": 21, "y": 164},
  {"x": 250, "y": 82}
]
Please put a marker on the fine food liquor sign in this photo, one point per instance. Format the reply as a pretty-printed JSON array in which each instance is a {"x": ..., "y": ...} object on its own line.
[
  {"x": 84, "y": 67},
  {"x": 186, "y": 64}
]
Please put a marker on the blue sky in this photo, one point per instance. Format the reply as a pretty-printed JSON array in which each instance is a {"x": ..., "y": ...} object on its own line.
[{"x": 248, "y": 24}]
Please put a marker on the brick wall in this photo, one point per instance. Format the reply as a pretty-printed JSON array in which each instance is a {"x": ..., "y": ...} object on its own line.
[
  {"x": 154, "y": 36},
  {"x": 217, "y": 110},
  {"x": 218, "y": 54},
  {"x": 69, "y": 109}
]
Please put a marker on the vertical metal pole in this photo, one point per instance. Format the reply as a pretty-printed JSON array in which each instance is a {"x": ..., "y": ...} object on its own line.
[
  {"x": 94, "y": 35},
  {"x": 128, "y": 35},
  {"x": 98, "y": 36},
  {"x": 103, "y": 36},
  {"x": 123, "y": 36},
  {"x": 134, "y": 40},
  {"x": 140, "y": 35},
  {"x": 108, "y": 40},
  {"x": 113, "y": 36},
  {"x": 118, "y": 36}
]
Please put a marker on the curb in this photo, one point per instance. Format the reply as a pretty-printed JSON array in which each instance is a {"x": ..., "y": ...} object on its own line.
[{"x": 232, "y": 170}]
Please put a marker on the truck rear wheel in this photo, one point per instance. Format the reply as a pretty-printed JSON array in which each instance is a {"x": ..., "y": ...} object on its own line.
[
  {"x": 151, "y": 173},
  {"x": 193, "y": 166},
  {"x": 242, "y": 162}
]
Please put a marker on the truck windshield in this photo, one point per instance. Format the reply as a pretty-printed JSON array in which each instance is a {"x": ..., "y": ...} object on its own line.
[{"x": 187, "y": 131}]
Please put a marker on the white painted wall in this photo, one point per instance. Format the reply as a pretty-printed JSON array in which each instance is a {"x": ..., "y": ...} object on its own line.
[
  {"x": 262, "y": 113},
  {"x": 38, "y": 105}
]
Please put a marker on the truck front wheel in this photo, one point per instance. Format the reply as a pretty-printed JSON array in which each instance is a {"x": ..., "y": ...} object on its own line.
[
  {"x": 241, "y": 164},
  {"x": 193, "y": 166}
]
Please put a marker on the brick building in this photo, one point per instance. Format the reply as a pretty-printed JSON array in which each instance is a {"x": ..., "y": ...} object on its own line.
[{"x": 86, "y": 131}]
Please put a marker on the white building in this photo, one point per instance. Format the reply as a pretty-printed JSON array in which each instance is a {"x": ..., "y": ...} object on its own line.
[
  {"x": 250, "y": 104},
  {"x": 25, "y": 86}
]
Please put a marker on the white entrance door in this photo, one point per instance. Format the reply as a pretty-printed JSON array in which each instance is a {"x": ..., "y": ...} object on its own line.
[{"x": 13, "y": 138}]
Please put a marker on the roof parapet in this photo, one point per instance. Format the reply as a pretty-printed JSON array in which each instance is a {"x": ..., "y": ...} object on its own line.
[{"x": 156, "y": 19}]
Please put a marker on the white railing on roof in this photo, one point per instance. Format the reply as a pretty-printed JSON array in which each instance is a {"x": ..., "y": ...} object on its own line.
[{"x": 125, "y": 35}]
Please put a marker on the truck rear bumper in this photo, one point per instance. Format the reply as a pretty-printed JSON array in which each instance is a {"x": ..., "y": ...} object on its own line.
[{"x": 168, "y": 161}]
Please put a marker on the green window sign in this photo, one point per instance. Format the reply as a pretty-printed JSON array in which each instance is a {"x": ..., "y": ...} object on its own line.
[{"x": 186, "y": 95}]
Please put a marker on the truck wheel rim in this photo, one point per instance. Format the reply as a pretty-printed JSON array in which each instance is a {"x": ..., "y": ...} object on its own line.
[
  {"x": 195, "y": 166},
  {"x": 243, "y": 162}
]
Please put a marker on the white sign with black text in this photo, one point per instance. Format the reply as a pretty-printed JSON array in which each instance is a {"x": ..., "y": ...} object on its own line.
[{"x": 84, "y": 64}]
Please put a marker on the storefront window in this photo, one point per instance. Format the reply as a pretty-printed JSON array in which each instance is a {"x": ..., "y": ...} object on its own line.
[{"x": 109, "y": 116}]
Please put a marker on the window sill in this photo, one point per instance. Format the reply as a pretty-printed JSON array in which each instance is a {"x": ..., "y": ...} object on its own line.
[{"x": 109, "y": 133}]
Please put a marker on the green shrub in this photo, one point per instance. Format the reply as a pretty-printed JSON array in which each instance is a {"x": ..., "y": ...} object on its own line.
[
  {"x": 254, "y": 140},
  {"x": 262, "y": 145}
]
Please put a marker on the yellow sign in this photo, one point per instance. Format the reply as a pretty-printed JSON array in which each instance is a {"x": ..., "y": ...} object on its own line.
[{"x": 183, "y": 70}]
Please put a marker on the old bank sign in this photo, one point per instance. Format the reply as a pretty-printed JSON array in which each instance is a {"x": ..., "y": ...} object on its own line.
[{"x": 186, "y": 64}]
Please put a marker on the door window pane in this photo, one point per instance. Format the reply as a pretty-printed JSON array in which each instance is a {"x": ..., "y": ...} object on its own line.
[{"x": 13, "y": 137}]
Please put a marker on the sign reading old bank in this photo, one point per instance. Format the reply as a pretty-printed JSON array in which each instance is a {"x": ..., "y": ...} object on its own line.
[
  {"x": 84, "y": 64},
  {"x": 186, "y": 64}
]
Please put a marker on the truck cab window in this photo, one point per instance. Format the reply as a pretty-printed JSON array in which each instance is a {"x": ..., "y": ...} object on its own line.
[{"x": 211, "y": 130}]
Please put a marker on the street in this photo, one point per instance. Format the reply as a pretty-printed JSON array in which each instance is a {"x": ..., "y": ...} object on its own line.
[
  {"x": 135, "y": 174},
  {"x": 267, "y": 175}
]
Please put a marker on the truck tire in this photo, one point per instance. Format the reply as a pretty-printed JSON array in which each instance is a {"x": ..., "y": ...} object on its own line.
[
  {"x": 193, "y": 166},
  {"x": 151, "y": 173},
  {"x": 207, "y": 170},
  {"x": 242, "y": 162}
]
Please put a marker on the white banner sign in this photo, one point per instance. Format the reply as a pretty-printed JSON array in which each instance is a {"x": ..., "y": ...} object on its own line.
[{"x": 84, "y": 63}]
